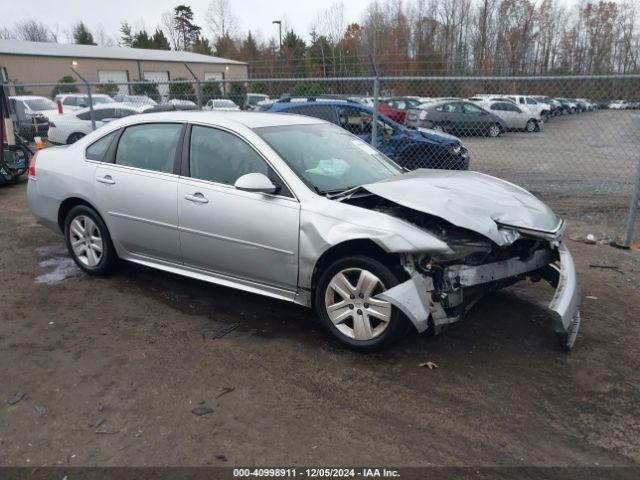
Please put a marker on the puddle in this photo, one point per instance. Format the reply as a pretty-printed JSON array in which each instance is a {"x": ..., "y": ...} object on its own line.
[{"x": 61, "y": 267}]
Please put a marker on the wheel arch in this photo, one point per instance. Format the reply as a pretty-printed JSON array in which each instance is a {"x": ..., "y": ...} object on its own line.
[
  {"x": 361, "y": 247},
  {"x": 68, "y": 204},
  {"x": 82, "y": 134}
]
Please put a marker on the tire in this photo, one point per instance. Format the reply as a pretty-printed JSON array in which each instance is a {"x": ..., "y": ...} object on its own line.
[
  {"x": 532, "y": 126},
  {"x": 494, "y": 130},
  {"x": 74, "y": 137},
  {"x": 85, "y": 234},
  {"x": 351, "y": 321}
]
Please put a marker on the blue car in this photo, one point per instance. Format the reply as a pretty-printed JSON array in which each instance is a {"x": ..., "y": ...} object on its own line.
[{"x": 409, "y": 148}]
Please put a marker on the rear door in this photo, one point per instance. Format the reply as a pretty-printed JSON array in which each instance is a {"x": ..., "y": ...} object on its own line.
[{"x": 136, "y": 188}]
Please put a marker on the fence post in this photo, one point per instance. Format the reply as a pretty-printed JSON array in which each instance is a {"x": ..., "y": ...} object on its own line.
[
  {"x": 374, "y": 126},
  {"x": 633, "y": 208},
  {"x": 198, "y": 89},
  {"x": 91, "y": 113}
]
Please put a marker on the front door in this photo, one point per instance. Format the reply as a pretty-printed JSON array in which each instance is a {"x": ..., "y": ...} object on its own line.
[
  {"x": 245, "y": 235},
  {"x": 137, "y": 193}
]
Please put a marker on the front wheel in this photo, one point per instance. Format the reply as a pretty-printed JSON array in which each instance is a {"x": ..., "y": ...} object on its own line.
[
  {"x": 88, "y": 240},
  {"x": 494, "y": 130},
  {"x": 345, "y": 300},
  {"x": 532, "y": 126}
]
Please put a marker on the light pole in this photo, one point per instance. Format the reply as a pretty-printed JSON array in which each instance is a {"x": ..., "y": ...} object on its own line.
[
  {"x": 279, "y": 22},
  {"x": 91, "y": 115}
]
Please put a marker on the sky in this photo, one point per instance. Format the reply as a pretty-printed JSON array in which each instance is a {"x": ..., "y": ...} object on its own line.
[{"x": 254, "y": 15}]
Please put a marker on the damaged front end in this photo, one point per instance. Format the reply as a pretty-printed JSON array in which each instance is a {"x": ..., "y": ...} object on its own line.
[{"x": 443, "y": 287}]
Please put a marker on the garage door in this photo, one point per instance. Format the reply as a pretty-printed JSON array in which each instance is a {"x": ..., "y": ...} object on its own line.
[
  {"x": 115, "y": 76},
  {"x": 163, "y": 88}
]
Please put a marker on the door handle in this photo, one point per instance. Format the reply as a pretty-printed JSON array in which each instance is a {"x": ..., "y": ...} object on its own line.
[
  {"x": 196, "y": 198},
  {"x": 106, "y": 179}
]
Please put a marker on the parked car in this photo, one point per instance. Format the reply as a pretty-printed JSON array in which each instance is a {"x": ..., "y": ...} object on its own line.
[
  {"x": 619, "y": 105},
  {"x": 410, "y": 149},
  {"x": 568, "y": 107},
  {"x": 396, "y": 107},
  {"x": 71, "y": 127},
  {"x": 457, "y": 117},
  {"x": 251, "y": 100},
  {"x": 334, "y": 224},
  {"x": 76, "y": 101},
  {"x": 32, "y": 114},
  {"x": 515, "y": 118},
  {"x": 181, "y": 102},
  {"x": 135, "y": 99},
  {"x": 555, "y": 107},
  {"x": 222, "y": 104},
  {"x": 532, "y": 104}
]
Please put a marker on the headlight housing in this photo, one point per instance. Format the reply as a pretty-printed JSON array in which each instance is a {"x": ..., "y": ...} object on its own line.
[
  {"x": 456, "y": 149},
  {"x": 423, "y": 115}
]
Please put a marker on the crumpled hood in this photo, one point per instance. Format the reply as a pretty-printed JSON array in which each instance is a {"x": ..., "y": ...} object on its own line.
[{"x": 470, "y": 200}]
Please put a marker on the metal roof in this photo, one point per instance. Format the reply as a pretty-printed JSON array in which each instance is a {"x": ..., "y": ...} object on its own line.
[{"x": 18, "y": 47}]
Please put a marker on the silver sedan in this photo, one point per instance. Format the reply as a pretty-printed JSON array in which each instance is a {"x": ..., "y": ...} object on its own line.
[{"x": 296, "y": 208}]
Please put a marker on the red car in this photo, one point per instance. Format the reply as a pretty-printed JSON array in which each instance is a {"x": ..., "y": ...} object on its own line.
[{"x": 396, "y": 108}]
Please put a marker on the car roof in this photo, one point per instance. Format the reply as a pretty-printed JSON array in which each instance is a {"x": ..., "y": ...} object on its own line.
[
  {"x": 27, "y": 97},
  {"x": 248, "y": 119}
]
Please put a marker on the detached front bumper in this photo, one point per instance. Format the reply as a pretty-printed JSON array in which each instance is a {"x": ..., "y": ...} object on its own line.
[{"x": 416, "y": 300}]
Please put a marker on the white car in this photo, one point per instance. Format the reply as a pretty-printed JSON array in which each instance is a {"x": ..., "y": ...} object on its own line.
[
  {"x": 514, "y": 117},
  {"x": 221, "y": 105},
  {"x": 532, "y": 104},
  {"x": 71, "y": 127},
  {"x": 619, "y": 105},
  {"x": 37, "y": 104},
  {"x": 181, "y": 103},
  {"x": 76, "y": 101}
]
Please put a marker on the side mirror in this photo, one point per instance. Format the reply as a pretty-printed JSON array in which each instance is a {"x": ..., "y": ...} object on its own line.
[{"x": 255, "y": 182}]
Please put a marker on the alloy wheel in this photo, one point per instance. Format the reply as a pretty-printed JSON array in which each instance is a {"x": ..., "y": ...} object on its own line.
[
  {"x": 494, "y": 130},
  {"x": 351, "y": 306},
  {"x": 86, "y": 240}
]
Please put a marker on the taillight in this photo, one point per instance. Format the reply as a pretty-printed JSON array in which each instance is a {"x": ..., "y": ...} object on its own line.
[
  {"x": 32, "y": 165},
  {"x": 59, "y": 107}
]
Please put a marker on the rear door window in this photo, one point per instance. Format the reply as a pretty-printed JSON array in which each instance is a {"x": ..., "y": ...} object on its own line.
[
  {"x": 150, "y": 146},
  {"x": 97, "y": 149},
  {"x": 355, "y": 120}
]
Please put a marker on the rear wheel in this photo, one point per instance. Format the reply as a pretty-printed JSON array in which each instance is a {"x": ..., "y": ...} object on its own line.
[
  {"x": 345, "y": 300},
  {"x": 88, "y": 240},
  {"x": 74, "y": 137}
]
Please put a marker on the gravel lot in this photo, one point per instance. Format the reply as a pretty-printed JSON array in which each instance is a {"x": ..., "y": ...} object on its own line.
[
  {"x": 584, "y": 165},
  {"x": 111, "y": 370}
]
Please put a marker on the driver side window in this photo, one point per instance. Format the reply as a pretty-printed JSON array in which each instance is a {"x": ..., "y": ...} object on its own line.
[{"x": 221, "y": 157}]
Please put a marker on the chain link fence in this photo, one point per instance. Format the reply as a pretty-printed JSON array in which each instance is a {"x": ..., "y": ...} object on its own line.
[{"x": 574, "y": 141}]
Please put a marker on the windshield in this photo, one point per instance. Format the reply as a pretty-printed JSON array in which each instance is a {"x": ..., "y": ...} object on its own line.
[
  {"x": 327, "y": 157},
  {"x": 39, "y": 104}
]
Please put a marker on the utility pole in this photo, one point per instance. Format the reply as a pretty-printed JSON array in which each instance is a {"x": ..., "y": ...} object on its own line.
[{"x": 279, "y": 22}]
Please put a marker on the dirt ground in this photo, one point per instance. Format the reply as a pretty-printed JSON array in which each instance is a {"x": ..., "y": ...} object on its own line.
[{"x": 111, "y": 370}]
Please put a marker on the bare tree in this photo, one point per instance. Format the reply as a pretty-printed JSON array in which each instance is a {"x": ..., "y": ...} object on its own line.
[
  {"x": 221, "y": 21},
  {"x": 7, "y": 34},
  {"x": 169, "y": 28},
  {"x": 33, "y": 31}
]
